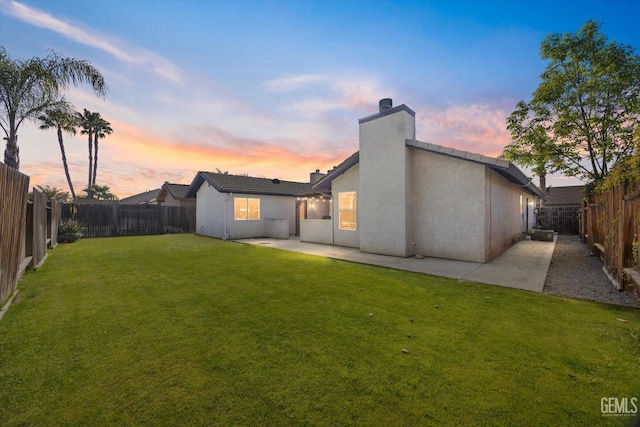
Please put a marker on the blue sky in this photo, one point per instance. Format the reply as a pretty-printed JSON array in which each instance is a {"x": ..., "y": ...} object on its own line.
[{"x": 275, "y": 88}]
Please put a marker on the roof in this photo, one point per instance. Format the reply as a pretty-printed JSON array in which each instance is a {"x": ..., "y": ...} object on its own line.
[
  {"x": 387, "y": 112},
  {"x": 146, "y": 197},
  {"x": 565, "y": 196},
  {"x": 324, "y": 183},
  {"x": 226, "y": 183},
  {"x": 177, "y": 191},
  {"x": 503, "y": 167}
]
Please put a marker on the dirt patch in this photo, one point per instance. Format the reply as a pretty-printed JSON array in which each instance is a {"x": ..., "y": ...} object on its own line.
[{"x": 575, "y": 273}]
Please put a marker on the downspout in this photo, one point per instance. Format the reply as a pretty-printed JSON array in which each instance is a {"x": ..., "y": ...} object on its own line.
[
  {"x": 332, "y": 220},
  {"x": 226, "y": 214}
]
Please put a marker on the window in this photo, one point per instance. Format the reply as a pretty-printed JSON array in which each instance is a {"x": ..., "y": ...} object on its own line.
[
  {"x": 521, "y": 211},
  {"x": 347, "y": 211},
  {"x": 246, "y": 209}
]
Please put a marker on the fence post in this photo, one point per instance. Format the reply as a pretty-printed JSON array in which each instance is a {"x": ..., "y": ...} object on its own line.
[
  {"x": 56, "y": 213},
  {"x": 14, "y": 187},
  {"x": 39, "y": 228}
]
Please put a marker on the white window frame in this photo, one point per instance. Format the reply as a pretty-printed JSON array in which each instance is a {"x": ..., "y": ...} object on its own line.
[
  {"x": 349, "y": 209},
  {"x": 245, "y": 211}
]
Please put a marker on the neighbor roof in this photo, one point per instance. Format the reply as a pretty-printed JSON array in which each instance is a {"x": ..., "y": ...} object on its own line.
[
  {"x": 565, "y": 196},
  {"x": 177, "y": 191},
  {"x": 225, "y": 183},
  {"x": 502, "y": 167},
  {"x": 142, "y": 198}
]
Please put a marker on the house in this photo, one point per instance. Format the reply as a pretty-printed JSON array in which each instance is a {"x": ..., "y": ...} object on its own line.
[
  {"x": 564, "y": 197},
  {"x": 237, "y": 206},
  {"x": 175, "y": 195},
  {"x": 561, "y": 209},
  {"x": 403, "y": 197},
  {"x": 146, "y": 198}
]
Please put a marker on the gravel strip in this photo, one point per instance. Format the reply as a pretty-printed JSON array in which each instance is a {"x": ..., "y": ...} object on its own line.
[{"x": 574, "y": 273}]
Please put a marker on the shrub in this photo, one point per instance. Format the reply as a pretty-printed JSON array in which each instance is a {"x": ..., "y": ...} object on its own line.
[{"x": 69, "y": 231}]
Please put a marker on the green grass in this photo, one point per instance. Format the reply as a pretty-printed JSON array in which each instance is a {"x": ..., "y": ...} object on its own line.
[{"x": 185, "y": 330}]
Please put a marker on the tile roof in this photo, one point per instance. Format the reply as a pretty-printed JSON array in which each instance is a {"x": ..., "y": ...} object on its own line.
[
  {"x": 324, "y": 183},
  {"x": 459, "y": 154},
  {"x": 146, "y": 197},
  {"x": 226, "y": 183},
  {"x": 176, "y": 190},
  {"x": 501, "y": 166}
]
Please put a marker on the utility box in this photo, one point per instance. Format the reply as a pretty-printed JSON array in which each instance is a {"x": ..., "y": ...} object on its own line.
[{"x": 543, "y": 235}]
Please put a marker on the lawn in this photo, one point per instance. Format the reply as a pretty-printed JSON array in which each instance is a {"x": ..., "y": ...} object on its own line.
[{"x": 186, "y": 330}]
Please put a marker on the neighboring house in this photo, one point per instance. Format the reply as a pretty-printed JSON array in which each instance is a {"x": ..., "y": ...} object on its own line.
[
  {"x": 561, "y": 209},
  {"x": 237, "y": 207},
  {"x": 402, "y": 197},
  {"x": 564, "y": 196},
  {"x": 146, "y": 198},
  {"x": 175, "y": 195}
]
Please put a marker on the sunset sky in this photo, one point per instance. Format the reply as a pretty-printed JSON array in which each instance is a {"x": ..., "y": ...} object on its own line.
[{"x": 276, "y": 88}]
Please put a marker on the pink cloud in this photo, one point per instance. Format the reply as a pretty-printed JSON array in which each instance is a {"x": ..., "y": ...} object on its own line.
[
  {"x": 479, "y": 128},
  {"x": 151, "y": 159}
]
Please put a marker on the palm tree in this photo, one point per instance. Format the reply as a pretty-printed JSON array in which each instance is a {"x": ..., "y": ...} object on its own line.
[
  {"x": 101, "y": 192},
  {"x": 101, "y": 129},
  {"x": 28, "y": 88},
  {"x": 53, "y": 193},
  {"x": 63, "y": 120},
  {"x": 88, "y": 121}
]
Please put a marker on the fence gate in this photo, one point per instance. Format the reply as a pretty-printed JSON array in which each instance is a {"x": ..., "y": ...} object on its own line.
[{"x": 563, "y": 220}]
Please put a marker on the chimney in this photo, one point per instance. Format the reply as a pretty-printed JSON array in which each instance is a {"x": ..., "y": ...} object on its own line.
[
  {"x": 385, "y": 104},
  {"x": 385, "y": 181},
  {"x": 315, "y": 176}
]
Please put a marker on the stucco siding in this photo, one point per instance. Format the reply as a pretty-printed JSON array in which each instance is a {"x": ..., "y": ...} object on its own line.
[
  {"x": 169, "y": 200},
  {"x": 506, "y": 214},
  {"x": 349, "y": 181},
  {"x": 449, "y": 208},
  {"x": 385, "y": 183},
  {"x": 316, "y": 231},
  {"x": 212, "y": 208},
  {"x": 271, "y": 207},
  {"x": 210, "y": 212},
  {"x": 318, "y": 208}
]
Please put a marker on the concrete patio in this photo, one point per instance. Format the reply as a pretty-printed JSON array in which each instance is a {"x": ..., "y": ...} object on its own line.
[{"x": 523, "y": 266}]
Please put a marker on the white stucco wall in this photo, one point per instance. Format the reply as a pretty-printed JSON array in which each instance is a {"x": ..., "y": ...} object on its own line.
[
  {"x": 506, "y": 214},
  {"x": 317, "y": 208},
  {"x": 386, "y": 217},
  {"x": 271, "y": 207},
  {"x": 449, "y": 211},
  {"x": 169, "y": 200},
  {"x": 316, "y": 231},
  {"x": 211, "y": 210},
  {"x": 276, "y": 228},
  {"x": 348, "y": 181}
]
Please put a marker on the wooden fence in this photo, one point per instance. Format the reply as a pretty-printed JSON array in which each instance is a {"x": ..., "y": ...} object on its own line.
[
  {"x": 37, "y": 229},
  {"x": 610, "y": 226},
  {"x": 14, "y": 187},
  {"x": 54, "y": 216},
  {"x": 99, "y": 220},
  {"x": 27, "y": 228}
]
